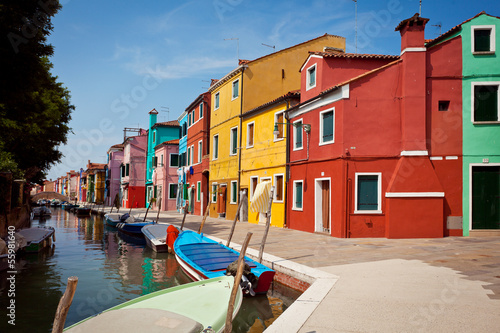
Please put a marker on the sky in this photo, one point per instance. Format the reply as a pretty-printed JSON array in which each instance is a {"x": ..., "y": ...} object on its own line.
[{"x": 121, "y": 59}]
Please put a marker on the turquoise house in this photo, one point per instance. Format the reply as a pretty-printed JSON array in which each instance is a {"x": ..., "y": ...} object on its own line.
[
  {"x": 158, "y": 133},
  {"x": 181, "y": 172}
]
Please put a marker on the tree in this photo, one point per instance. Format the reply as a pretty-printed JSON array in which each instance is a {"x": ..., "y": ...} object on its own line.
[{"x": 35, "y": 109}]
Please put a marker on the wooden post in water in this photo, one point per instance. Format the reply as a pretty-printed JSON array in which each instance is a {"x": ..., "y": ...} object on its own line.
[
  {"x": 241, "y": 264},
  {"x": 159, "y": 208},
  {"x": 131, "y": 205},
  {"x": 268, "y": 223},
  {"x": 147, "y": 210},
  {"x": 205, "y": 215},
  {"x": 64, "y": 304},
  {"x": 234, "y": 224},
  {"x": 184, "y": 217}
]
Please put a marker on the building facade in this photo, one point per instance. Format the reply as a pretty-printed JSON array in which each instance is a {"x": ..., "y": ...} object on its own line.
[
  {"x": 165, "y": 180},
  {"x": 133, "y": 171}
]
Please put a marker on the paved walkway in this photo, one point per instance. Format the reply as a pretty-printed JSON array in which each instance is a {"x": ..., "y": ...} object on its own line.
[{"x": 378, "y": 285}]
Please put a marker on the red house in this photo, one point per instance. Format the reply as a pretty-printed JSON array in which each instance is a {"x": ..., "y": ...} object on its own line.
[
  {"x": 198, "y": 154},
  {"x": 375, "y": 150}
]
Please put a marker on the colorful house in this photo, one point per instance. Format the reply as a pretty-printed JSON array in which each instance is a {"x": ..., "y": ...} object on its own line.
[
  {"x": 264, "y": 154},
  {"x": 367, "y": 130},
  {"x": 165, "y": 180},
  {"x": 113, "y": 173},
  {"x": 225, "y": 140},
  {"x": 133, "y": 171},
  {"x": 157, "y": 133},
  {"x": 198, "y": 150},
  {"x": 480, "y": 121},
  {"x": 96, "y": 179},
  {"x": 182, "y": 169}
]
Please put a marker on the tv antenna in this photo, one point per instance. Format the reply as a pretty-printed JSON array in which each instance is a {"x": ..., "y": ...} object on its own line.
[
  {"x": 237, "y": 47},
  {"x": 356, "y": 25},
  {"x": 271, "y": 46},
  {"x": 439, "y": 26},
  {"x": 420, "y": 9},
  {"x": 165, "y": 109}
]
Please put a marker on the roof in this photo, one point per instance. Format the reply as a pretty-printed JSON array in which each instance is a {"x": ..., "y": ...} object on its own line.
[
  {"x": 96, "y": 166},
  {"x": 171, "y": 123},
  {"x": 353, "y": 55},
  {"x": 227, "y": 77},
  {"x": 453, "y": 30},
  {"x": 415, "y": 19},
  {"x": 168, "y": 143},
  {"x": 287, "y": 96},
  {"x": 196, "y": 101}
]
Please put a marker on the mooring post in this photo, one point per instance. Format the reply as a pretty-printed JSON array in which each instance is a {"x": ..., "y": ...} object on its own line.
[
  {"x": 205, "y": 216},
  {"x": 64, "y": 304}
]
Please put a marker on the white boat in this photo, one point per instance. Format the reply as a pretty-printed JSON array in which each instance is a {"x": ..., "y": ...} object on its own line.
[
  {"x": 41, "y": 212},
  {"x": 156, "y": 236}
]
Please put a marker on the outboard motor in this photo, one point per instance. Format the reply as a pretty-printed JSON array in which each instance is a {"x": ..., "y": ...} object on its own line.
[
  {"x": 124, "y": 217},
  {"x": 246, "y": 286}
]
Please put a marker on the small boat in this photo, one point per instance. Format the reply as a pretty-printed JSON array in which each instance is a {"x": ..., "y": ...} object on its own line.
[
  {"x": 37, "y": 238},
  {"x": 82, "y": 211},
  {"x": 68, "y": 206},
  {"x": 112, "y": 219},
  {"x": 156, "y": 236},
  {"x": 40, "y": 212},
  {"x": 133, "y": 228},
  {"x": 191, "y": 307},
  {"x": 203, "y": 258}
]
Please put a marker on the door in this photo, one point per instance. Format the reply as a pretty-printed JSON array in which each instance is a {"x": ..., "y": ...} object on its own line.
[
  {"x": 325, "y": 205},
  {"x": 221, "y": 200},
  {"x": 486, "y": 197}
]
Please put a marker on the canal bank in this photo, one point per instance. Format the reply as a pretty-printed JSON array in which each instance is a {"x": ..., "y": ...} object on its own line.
[{"x": 374, "y": 284}]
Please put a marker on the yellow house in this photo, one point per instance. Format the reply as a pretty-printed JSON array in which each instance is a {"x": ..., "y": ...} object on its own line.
[
  {"x": 225, "y": 143},
  {"x": 263, "y": 154}
]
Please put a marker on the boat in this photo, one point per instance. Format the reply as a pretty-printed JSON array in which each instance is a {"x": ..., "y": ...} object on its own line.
[
  {"x": 192, "y": 307},
  {"x": 37, "y": 238},
  {"x": 133, "y": 228},
  {"x": 112, "y": 219},
  {"x": 82, "y": 211},
  {"x": 40, "y": 212},
  {"x": 203, "y": 258},
  {"x": 156, "y": 236}
]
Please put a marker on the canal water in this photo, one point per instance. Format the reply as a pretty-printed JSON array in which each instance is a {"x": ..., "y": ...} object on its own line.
[{"x": 111, "y": 269}]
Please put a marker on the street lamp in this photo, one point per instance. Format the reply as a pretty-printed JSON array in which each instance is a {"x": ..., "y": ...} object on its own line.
[{"x": 307, "y": 127}]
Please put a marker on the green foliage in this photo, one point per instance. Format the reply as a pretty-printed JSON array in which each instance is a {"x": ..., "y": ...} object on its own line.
[{"x": 35, "y": 109}]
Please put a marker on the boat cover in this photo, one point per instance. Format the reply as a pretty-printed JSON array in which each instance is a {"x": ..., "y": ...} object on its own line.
[{"x": 211, "y": 256}]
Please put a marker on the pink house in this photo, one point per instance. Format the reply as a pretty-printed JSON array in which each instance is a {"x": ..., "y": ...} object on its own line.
[
  {"x": 165, "y": 176},
  {"x": 133, "y": 171},
  {"x": 113, "y": 177}
]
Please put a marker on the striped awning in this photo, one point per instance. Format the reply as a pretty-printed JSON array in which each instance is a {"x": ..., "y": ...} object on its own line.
[{"x": 260, "y": 198}]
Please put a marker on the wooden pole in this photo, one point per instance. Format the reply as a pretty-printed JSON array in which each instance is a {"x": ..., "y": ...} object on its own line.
[
  {"x": 268, "y": 223},
  {"x": 147, "y": 210},
  {"x": 64, "y": 304},
  {"x": 184, "y": 217},
  {"x": 131, "y": 205},
  {"x": 241, "y": 264},
  {"x": 159, "y": 208},
  {"x": 205, "y": 216},
  {"x": 234, "y": 224}
]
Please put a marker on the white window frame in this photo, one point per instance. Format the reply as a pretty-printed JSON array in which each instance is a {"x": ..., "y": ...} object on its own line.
[
  {"x": 484, "y": 83},
  {"x": 200, "y": 150},
  {"x": 492, "y": 38},
  {"x": 248, "y": 137},
  {"x": 276, "y": 184},
  {"x": 200, "y": 111},
  {"x": 189, "y": 160},
  {"x": 295, "y": 195},
  {"x": 321, "y": 142},
  {"x": 237, "y": 81},
  {"x": 379, "y": 194},
  {"x": 308, "y": 76},
  {"x": 214, "y": 194},
  {"x": 231, "y": 141},
  {"x": 192, "y": 155},
  {"x": 231, "y": 198},
  {"x": 198, "y": 191},
  {"x": 170, "y": 160},
  {"x": 217, "y": 100},
  {"x": 215, "y": 151},
  {"x": 295, "y": 130},
  {"x": 276, "y": 139},
  {"x": 250, "y": 185}
]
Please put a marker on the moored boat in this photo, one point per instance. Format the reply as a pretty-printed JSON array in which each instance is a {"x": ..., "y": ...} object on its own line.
[
  {"x": 203, "y": 258},
  {"x": 82, "y": 211},
  {"x": 39, "y": 212},
  {"x": 112, "y": 219},
  {"x": 133, "y": 228},
  {"x": 192, "y": 307},
  {"x": 37, "y": 238},
  {"x": 156, "y": 236}
]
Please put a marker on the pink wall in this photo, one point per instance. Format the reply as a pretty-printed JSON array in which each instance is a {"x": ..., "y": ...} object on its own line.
[
  {"x": 114, "y": 174},
  {"x": 165, "y": 175}
]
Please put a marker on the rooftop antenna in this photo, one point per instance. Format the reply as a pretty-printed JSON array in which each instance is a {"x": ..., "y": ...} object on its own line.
[
  {"x": 165, "y": 109},
  {"x": 205, "y": 81},
  {"x": 356, "y": 24},
  {"x": 420, "y": 9},
  {"x": 439, "y": 26},
  {"x": 237, "y": 47},
  {"x": 271, "y": 46}
]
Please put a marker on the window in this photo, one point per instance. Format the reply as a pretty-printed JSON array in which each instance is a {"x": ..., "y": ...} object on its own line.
[
  {"x": 214, "y": 192},
  {"x": 485, "y": 101},
  {"x": 201, "y": 110},
  {"x": 250, "y": 134},
  {"x": 297, "y": 194},
  {"x": 443, "y": 105},
  {"x": 234, "y": 141},
  {"x": 326, "y": 127},
  {"x": 184, "y": 129},
  {"x": 172, "y": 191},
  {"x": 368, "y": 193},
  {"x": 278, "y": 119},
  {"x": 234, "y": 191},
  {"x": 216, "y": 146},
  {"x": 278, "y": 182},
  {"x": 154, "y": 137},
  {"x": 253, "y": 185},
  {"x": 235, "y": 88},
  {"x": 161, "y": 160},
  {"x": 127, "y": 169},
  {"x": 311, "y": 77},
  {"x": 297, "y": 135},
  {"x": 189, "y": 119},
  {"x": 154, "y": 161},
  {"x": 198, "y": 191},
  {"x": 483, "y": 39},
  {"x": 193, "y": 115},
  {"x": 200, "y": 150},
  {"x": 155, "y": 191},
  {"x": 217, "y": 97},
  {"x": 189, "y": 156},
  {"x": 174, "y": 160}
]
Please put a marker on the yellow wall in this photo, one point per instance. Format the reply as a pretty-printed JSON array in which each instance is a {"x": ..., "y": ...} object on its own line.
[
  {"x": 100, "y": 180},
  {"x": 263, "y": 79},
  {"x": 265, "y": 159}
]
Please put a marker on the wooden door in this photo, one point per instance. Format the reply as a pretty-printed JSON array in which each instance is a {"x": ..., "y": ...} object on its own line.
[
  {"x": 325, "y": 205},
  {"x": 221, "y": 200}
]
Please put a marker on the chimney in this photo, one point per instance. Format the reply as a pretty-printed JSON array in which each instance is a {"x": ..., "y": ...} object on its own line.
[{"x": 413, "y": 56}]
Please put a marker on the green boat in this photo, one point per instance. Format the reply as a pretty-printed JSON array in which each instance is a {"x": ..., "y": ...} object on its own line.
[
  {"x": 36, "y": 238},
  {"x": 192, "y": 307}
]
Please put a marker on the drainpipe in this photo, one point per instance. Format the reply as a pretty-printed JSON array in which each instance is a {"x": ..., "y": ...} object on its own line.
[
  {"x": 241, "y": 135},
  {"x": 287, "y": 163}
]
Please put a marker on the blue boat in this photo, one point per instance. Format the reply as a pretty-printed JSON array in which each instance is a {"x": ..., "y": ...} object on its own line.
[
  {"x": 112, "y": 219},
  {"x": 203, "y": 258},
  {"x": 133, "y": 228}
]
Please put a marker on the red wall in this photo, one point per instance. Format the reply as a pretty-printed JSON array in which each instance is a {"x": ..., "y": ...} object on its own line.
[{"x": 137, "y": 197}]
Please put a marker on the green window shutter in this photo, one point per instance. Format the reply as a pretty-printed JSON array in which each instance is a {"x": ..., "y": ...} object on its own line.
[
  {"x": 127, "y": 169},
  {"x": 298, "y": 135},
  {"x": 327, "y": 126},
  {"x": 234, "y": 140},
  {"x": 155, "y": 191},
  {"x": 234, "y": 192},
  {"x": 201, "y": 110},
  {"x": 485, "y": 103},
  {"x": 482, "y": 40},
  {"x": 216, "y": 146},
  {"x": 312, "y": 76},
  {"x": 298, "y": 195},
  {"x": 368, "y": 192}
]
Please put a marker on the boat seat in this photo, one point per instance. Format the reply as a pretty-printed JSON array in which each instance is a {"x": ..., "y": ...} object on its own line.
[{"x": 211, "y": 257}]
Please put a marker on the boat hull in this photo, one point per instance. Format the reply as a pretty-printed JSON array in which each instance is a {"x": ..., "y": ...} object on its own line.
[
  {"x": 133, "y": 229},
  {"x": 156, "y": 237},
  {"x": 37, "y": 238}
]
